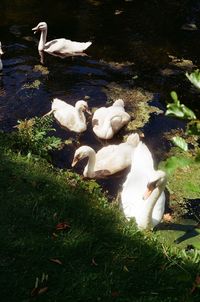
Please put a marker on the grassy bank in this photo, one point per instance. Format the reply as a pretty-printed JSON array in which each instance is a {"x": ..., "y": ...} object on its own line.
[{"x": 60, "y": 236}]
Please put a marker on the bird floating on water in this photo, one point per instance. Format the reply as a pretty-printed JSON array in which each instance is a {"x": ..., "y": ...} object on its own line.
[
  {"x": 68, "y": 116},
  {"x": 107, "y": 121},
  {"x": 108, "y": 160},
  {"x": 58, "y": 47}
]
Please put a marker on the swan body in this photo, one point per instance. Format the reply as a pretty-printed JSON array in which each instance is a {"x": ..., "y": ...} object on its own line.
[
  {"x": 107, "y": 121},
  {"x": 108, "y": 160},
  {"x": 1, "y": 53},
  {"x": 68, "y": 116},
  {"x": 143, "y": 195},
  {"x": 60, "y": 47}
]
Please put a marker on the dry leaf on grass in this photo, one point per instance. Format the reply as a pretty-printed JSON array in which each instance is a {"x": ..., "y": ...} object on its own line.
[{"x": 55, "y": 261}]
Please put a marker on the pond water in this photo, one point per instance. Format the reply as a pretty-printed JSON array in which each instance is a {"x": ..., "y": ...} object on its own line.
[{"x": 133, "y": 46}]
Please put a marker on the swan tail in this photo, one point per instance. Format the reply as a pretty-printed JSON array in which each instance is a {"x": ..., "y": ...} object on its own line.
[{"x": 49, "y": 113}]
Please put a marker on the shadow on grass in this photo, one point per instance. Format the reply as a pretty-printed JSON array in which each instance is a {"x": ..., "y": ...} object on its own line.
[{"x": 102, "y": 257}]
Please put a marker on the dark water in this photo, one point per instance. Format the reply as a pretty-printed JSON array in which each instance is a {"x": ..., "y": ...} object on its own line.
[{"x": 138, "y": 32}]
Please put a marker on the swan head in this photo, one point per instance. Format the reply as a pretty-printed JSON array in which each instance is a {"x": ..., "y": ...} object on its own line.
[
  {"x": 1, "y": 51},
  {"x": 118, "y": 102},
  {"x": 83, "y": 106},
  {"x": 40, "y": 27},
  {"x": 81, "y": 153},
  {"x": 158, "y": 179}
]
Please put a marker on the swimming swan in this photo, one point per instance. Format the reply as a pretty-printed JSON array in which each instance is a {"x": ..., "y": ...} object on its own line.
[
  {"x": 107, "y": 121},
  {"x": 1, "y": 53},
  {"x": 108, "y": 160},
  {"x": 68, "y": 116},
  {"x": 143, "y": 194},
  {"x": 60, "y": 47}
]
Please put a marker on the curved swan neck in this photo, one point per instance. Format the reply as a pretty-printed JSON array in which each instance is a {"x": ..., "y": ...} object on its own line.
[
  {"x": 89, "y": 169},
  {"x": 145, "y": 220},
  {"x": 43, "y": 38},
  {"x": 80, "y": 115}
]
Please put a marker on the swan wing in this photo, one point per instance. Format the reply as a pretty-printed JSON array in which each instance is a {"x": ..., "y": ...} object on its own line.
[
  {"x": 113, "y": 158},
  {"x": 64, "y": 46}
]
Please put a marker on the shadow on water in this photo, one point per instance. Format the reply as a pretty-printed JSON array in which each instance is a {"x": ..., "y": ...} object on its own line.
[{"x": 135, "y": 33}]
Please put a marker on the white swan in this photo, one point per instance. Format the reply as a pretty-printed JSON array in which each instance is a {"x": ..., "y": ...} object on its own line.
[
  {"x": 108, "y": 160},
  {"x": 1, "y": 53},
  {"x": 107, "y": 121},
  {"x": 68, "y": 116},
  {"x": 143, "y": 195},
  {"x": 59, "y": 47}
]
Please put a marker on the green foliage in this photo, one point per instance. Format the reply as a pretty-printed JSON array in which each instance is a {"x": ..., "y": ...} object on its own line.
[
  {"x": 179, "y": 110},
  {"x": 194, "y": 78},
  {"x": 193, "y": 128},
  {"x": 180, "y": 142},
  {"x": 32, "y": 137}
]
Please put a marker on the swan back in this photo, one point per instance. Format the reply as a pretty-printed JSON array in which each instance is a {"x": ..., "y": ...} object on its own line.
[
  {"x": 118, "y": 102},
  {"x": 142, "y": 160}
]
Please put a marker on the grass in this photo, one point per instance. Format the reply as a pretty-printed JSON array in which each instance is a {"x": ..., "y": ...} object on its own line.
[{"x": 99, "y": 257}]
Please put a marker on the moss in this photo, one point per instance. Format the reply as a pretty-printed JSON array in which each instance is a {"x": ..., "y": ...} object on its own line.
[{"x": 136, "y": 103}]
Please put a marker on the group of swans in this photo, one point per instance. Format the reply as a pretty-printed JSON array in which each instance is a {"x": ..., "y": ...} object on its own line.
[
  {"x": 58, "y": 47},
  {"x": 1, "y": 53},
  {"x": 106, "y": 121},
  {"x": 142, "y": 196}
]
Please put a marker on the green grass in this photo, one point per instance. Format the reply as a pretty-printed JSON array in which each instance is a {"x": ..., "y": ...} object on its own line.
[{"x": 103, "y": 257}]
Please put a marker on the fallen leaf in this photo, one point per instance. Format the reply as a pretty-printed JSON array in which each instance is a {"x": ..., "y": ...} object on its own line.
[
  {"x": 42, "y": 290},
  {"x": 54, "y": 235},
  {"x": 34, "y": 291},
  {"x": 125, "y": 268},
  {"x": 115, "y": 294},
  {"x": 94, "y": 262},
  {"x": 55, "y": 261},
  {"x": 62, "y": 226},
  {"x": 167, "y": 217},
  {"x": 196, "y": 283}
]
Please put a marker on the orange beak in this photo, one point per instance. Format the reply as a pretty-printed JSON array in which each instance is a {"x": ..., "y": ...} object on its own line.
[
  {"x": 147, "y": 193},
  {"x": 74, "y": 162}
]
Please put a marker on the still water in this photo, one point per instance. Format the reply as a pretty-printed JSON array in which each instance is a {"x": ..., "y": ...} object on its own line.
[{"x": 138, "y": 36}]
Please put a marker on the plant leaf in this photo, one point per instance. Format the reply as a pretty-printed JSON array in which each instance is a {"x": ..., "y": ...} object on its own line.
[{"x": 180, "y": 142}]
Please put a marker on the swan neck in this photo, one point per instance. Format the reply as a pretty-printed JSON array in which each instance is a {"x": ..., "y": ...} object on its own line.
[
  {"x": 146, "y": 219},
  {"x": 1, "y": 64},
  {"x": 80, "y": 115},
  {"x": 89, "y": 169},
  {"x": 43, "y": 38}
]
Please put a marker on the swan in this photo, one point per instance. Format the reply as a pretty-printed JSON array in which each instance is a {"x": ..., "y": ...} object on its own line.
[
  {"x": 107, "y": 121},
  {"x": 108, "y": 160},
  {"x": 1, "y": 53},
  {"x": 60, "y": 47},
  {"x": 68, "y": 116},
  {"x": 143, "y": 194}
]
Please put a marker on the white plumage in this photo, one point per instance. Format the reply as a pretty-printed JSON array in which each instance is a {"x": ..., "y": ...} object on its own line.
[
  {"x": 68, "y": 116},
  {"x": 108, "y": 160},
  {"x": 59, "y": 47},
  {"x": 143, "y": 195},
  {"x": 107, "y": 121}
]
